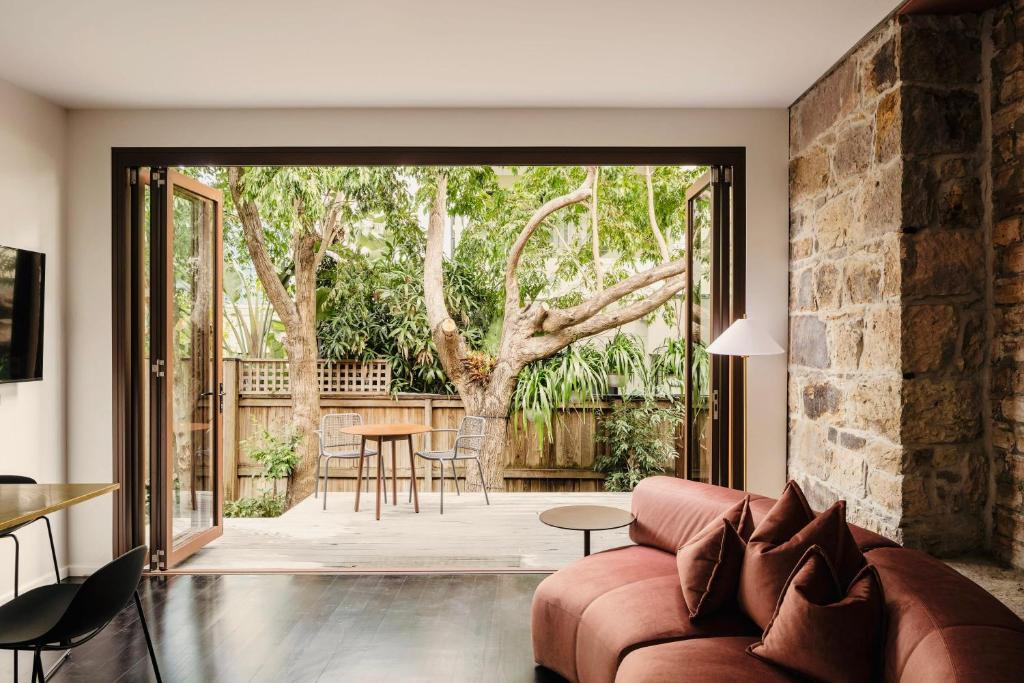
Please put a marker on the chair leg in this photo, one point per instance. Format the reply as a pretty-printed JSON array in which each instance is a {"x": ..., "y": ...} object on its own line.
[
  {"x": 37, "y": 667},
  {"x": 316, "y": 481},
  {"x": 17, "y": 561},
  {"x": 53, "y": 549},
  {"x": 483, "y": 482},
  {"x": 383, "y": 469},
  {"x": 149, "y": 641},
  {"x": 442, "y": 485},
  {"x": 326, "y": 472},
  {"x": 455, "y": 478}
]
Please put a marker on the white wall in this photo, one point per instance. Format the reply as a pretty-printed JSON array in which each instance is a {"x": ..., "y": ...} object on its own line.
[
  {"x": 92, "y": 133},
  {"x": 32, "y": 195}
]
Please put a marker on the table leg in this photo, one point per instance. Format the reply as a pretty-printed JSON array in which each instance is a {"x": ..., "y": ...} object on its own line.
[
  {"x": 359, "y": 472},
  {"x": 412, "y": 476},
  {"x": 586, "y": 542},
  {"x": 394, "y": 474},
  {"x": 380, "y": 466}
]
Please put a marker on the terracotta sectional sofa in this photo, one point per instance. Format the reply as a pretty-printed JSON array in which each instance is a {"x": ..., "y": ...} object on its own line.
[{"x": 619, "y": 615}]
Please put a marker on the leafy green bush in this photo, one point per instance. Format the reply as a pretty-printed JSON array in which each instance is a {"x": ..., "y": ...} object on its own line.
[
  {"x": 640, "y": 438},
  {"x": 266, "y": 504}
]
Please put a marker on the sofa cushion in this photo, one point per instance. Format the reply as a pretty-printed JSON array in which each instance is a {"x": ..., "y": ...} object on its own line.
[
  {"x": 823, "y": 630},
  {"x": 639, "y": 613},
  {"x": 779, "y": 542},
  {"x": 704, "y": 660},
  {"x": 709, "y": 564},
  {"x": 670, "y": 511},
  {"x": 562, "y": 598},
  {"x": 940, "y": 625}
]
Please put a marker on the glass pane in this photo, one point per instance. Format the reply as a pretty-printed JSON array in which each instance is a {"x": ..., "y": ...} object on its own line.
[
  {"x": 700, "y": 298},
  {"x": 194, "y": 355},
  {"x": 145, "y": 375}
]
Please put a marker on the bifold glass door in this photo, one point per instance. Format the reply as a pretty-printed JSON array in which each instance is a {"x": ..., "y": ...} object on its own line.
[
  {"x": 185, "y": 396},
  {"x": 711, "y": 454}
]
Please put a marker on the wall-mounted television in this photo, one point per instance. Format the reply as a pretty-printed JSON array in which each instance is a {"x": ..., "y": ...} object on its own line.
[{"x": 22, "y": 274}]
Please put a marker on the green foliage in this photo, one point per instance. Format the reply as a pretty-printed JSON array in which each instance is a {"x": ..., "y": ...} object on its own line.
[
  {"x": 278, "y": 454},
  {"x": 577, "y": 374},
  {"x": 640, "y": 438},
  {"x": 266, "y": 504}
]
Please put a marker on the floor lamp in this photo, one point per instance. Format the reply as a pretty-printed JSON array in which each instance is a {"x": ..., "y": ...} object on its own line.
[{"x": 744, "y": 338}]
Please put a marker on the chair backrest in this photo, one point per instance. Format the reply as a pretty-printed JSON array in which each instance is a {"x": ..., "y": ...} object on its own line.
[
  {"x": 331, "y": 435},
  {"x": 470, "y": 436},
  {"x": 15, "y": 479},
  {"x": 101, "y": 597}
]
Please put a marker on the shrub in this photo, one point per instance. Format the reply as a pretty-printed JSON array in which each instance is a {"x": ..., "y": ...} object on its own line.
[
  {"x": 640, "y": 439},
  {"x": 266, "y": 504},
  {"x": 278, "y": 454}
]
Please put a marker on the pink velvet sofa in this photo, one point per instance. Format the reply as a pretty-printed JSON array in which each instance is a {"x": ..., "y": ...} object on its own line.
[{"x": 619, "y": 615}]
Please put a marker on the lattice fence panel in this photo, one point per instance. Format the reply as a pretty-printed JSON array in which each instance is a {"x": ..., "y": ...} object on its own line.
[{"x": 270, "y": 377}]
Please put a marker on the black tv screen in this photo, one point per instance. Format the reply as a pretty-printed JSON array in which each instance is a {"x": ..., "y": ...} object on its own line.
[{"x": 21, "y": 314}]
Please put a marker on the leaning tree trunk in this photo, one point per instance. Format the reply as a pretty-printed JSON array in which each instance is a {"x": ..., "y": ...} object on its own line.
[
  {"x": 491, "y": 402},
  {"x": 305, "y": 417}
]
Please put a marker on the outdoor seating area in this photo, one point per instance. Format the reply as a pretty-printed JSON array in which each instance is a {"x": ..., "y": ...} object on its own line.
[{"x": 506, "y": 535}]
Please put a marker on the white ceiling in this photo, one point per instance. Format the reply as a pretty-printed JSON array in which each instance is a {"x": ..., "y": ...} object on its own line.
[{"x": 427, "y": 53}]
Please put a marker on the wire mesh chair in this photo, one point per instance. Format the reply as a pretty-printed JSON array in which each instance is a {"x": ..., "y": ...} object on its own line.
[
  {"x": 336, "y": 444},
  {"x": 469, "y": 441}
]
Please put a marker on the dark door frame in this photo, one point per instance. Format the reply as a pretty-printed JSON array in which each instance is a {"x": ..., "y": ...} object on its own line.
[{"x": 128, "y": 529}]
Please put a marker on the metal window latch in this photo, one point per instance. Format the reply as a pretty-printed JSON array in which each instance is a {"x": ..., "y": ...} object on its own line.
[
  {"x": 159, "y": 559},
  {"x": 714, "y": 404},
  {"x": 220, "y": 394},
  {"x": 133, "y": 176},
  {"x": 158, "y": 178},
  {"x": 158, "y": 367}
]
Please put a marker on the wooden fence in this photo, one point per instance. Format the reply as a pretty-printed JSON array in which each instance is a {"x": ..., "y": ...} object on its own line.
[{"x": 565, "y": 463}]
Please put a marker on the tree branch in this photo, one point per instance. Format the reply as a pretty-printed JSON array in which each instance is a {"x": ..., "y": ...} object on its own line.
[
  {"x": 252, "y": 227},
  {"x": 549, "y": 207},
  {"x": 595, "y": 240},
  {"x": 451, "y": 347},
  {"x": 557, "y": 320},
  {"x": 545, "y": 345},
  {"x": 653, "y": 218}
]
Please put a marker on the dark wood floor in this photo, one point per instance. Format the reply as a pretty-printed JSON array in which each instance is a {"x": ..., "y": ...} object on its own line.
[{"x": 458, "y": 627}]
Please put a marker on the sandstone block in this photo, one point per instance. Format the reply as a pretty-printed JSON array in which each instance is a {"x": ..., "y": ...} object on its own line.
[
  {"x": 887, "y": 141},
  {"x": 809, "y": 174},
  {"x": 808, "y": 342},
  {"x": 831, "y": 100},
  {"x": 846, "y": 342},
  {"x": 940, "y": 122},
  {"x": 822, "y": 398},
  {"x": 940, "y": 410},
  {"x": 863, "y": 280},
  {"x": 942, "y": 263},
  {"x": 881, "y": 338},
  {"x": 852, "y": 152},
  {"x": 875, "y": 406},
  {"x": 943, "y": 53},
  {"x": 929, "y": 334},
  {"x": 833, "y": 221},
  {"x": 827, "y": 290}
]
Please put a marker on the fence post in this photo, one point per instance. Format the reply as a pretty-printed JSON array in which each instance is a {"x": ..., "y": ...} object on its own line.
[
  {"x": 229, "y": 443},
  {"x": 428, "y": 444}
]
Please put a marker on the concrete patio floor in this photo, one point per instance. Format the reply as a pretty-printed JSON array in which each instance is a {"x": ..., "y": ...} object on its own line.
[{"x": 470, "y": 535}]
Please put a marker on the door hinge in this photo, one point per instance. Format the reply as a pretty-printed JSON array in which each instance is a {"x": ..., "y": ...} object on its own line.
[
  {"x": 133, "y": 176},
  {"x": 721, "y": 174},
  {"x": 714, "y": 404},
  {"x": 728, "y": 175},
  {"x": 157, "y": 177},
  {"x": 158, "y": 367},
  {"x": 159, "y": 558}
]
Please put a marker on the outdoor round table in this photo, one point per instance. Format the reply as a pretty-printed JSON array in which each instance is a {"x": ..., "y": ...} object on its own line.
[
  {"x": 385, "y": 433},
  {"x": 587, "y": 518}
]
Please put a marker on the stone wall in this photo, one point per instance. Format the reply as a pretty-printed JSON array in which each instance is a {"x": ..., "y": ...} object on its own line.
[
  {"x": 888, "y": 295},
  {"x": 1007, "y": 405}
]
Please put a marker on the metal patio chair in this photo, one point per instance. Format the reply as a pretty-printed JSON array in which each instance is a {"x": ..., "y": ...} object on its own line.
[
  {"x": 469, "y": 441},
  {"x": 336, "y": 444}
]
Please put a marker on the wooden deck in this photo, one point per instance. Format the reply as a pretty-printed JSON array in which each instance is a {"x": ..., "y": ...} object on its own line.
[{"x": 470, "y": 535}]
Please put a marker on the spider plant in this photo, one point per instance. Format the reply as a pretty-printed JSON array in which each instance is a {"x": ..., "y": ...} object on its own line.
[{"x": 625, "y": 359}]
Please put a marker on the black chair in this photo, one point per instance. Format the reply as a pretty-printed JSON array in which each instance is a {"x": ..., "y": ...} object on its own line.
[
  {"x": 9, "y": 533},
  {"x": 66, "y": 615}
]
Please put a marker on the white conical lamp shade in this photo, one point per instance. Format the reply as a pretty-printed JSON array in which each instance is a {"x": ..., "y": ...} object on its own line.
[{"x": 745, "y": 338}]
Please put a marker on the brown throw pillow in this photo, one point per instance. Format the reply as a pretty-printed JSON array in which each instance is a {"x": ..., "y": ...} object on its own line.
[
  {"x": 709, "y": 563},
  {"x": 781, "y": 539},
  {"x": 822, "y": 631}
]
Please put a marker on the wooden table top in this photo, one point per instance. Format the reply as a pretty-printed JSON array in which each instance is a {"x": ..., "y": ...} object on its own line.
[
  {"x": 399, "y": 429},
  {"x": 21, "y": 503},
  {"x": 587, "y": 517}
]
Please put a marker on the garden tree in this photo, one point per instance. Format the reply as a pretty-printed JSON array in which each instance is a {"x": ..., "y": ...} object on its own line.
[
  {"x": 303, "y": 212},
  {"x": 531, "y": 328}
]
